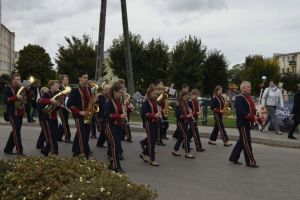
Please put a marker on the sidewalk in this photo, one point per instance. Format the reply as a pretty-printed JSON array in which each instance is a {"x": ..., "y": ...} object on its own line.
[{"x": 269, "y": 138}]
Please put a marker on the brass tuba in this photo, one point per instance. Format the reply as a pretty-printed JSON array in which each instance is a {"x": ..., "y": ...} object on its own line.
[
  {"x": 164, "y": 97},
  {"x": 125, "y": 100},
  {"x": 21, "y": 92},
  {"x": 49, "y": 108},
  {"x": 93, "y": 106}
]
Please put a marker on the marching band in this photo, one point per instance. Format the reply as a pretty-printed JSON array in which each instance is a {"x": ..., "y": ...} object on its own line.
[{"x": 107, "y": 108}]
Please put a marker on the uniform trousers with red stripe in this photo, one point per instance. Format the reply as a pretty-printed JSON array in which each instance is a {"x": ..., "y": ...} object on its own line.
[
  {"x": 152, "y": 130},
  {"x": 51, "y": 126},
  {"x": 194, "y": 132},
  {"x": 219, "y": 127},
  {"x": 43, "y": 135},
  {"x": 101, "y": 128},
  {"x": 14, "y": 139},
  {"x": 64, "y": 127},
  {"x": 244, "y": 143},
  {"x": 80, "y": 143},
  {"x": 113, "y": 133},
  {"x": 183, "y": 136}
]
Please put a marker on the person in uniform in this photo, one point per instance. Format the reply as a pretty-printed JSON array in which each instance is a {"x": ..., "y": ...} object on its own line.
[
  {"x": 183, "y": 117},
  {"x": 114, "y": 117},
  {"x": 14, "y": 114},
  {"x": 296, "y": 113},
  {"x": 163, "y": 103},
  {"x": 78, "y": 103},
  {"x": 50, "y": 118},
  {"x": 151, "y": 118},
  {"x": 64, "y": 128},
  {"x": 102, "y": 100},
  {"x": 217, "y": 106},
  {"x": 245, "y": 119},
  {"x": 195, "y": 108}
]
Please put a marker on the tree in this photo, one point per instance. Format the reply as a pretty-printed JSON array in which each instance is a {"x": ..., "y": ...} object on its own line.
[
  {"x": 78, "y": 55},
  {"x": 290, "y": 81},
  {"x": 257, "y": 66},
  {"x": 35, "y": 61},
  {"x": 117, "y": 59},
  {"x": 235, "y": 74},
  {"x": 156, "y": 62},
  {"x": 187, "y": 59},
  {"x": 215, "y": 72}
]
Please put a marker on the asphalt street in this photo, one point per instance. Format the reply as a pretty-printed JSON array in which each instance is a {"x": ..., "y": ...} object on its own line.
[{"x": 208, "y": 177}]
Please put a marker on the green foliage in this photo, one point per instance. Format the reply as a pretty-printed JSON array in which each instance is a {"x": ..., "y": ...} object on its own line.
[
  {"x": 78, "y": 55},
  {"x": 61, "y": 178},
  {"x": 257, "y": 66},
  {"x": 215, "y": 72},
  {"x": 290, "y": 81},
  {"x": 187, "y": 60},
  {"x": 35, "y": 61},
  {"x": 235, "y": 74},
  {"x": 117, "y": 59}
]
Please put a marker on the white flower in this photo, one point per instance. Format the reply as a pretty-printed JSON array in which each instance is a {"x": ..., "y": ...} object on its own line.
[
  {"x": 108, "y": 193},
  {"x": 128, "y": 185},
  {"x": 102, "y": 189},
  {"x": 19, "y": 186},
  {"x": 80, "y": 179},
  {"x": 48, "y": 188}
]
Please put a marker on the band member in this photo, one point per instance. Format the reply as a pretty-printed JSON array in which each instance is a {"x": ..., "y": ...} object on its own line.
[
  {"x": 183, "y": 116},
  {"x": 217, "y": 106},
  {"x": 64, "y": 128},
  {"x": 78, "y": 103},
  {"x": 102, "y": 100},
  {"x": 34, "y": 90},
  {"x": 151, "y": 118},
  {"x": 50, "y": 119},
  {"x": 41, "y": 115},
  {"x": 113, "y": 119},
  {"x": 245, "y": 118},
  {"x": 296, "y": 113},
  {"x": 28, "y": 104},
  {"x": 195, "y": 108},
  {"x": 14, "y": 115},
  {"x": 184, "y": 87},
  {"x": 163, "y": 103},
  {"x": 128, "y": 108}
]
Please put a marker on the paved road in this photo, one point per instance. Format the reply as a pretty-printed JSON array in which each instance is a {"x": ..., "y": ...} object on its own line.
[{"x": 208, "y": 177}]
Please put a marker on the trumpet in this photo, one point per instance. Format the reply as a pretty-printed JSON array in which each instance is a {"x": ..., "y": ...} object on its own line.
[
  {"x": 93, "y": 106},
  {"x": 21, "y": 92},
  {"x": 50, "y": 108}
]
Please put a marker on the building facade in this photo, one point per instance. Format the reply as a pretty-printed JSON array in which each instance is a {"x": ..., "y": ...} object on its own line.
[{"x": 289, "y": 62}]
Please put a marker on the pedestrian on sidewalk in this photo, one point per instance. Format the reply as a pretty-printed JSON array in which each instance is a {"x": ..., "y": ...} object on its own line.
[
  {"x": 271, "y": 99},
  {"x": 296, "y": 113}
]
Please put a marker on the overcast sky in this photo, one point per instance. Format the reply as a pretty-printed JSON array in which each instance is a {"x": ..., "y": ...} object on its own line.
[{"x": 237, "y": 27}]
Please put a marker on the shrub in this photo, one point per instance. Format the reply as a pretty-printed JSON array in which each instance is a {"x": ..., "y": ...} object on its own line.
[{"x": 67, "y": 178}]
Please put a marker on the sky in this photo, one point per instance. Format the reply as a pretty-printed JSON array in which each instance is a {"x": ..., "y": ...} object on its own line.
[{"x": 236, "y": 27}]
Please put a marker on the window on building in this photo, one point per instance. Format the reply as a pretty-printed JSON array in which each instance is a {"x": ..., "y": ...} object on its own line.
[
  {"x": 288, "y": 70},
  {"x": 283, "y": 70}
]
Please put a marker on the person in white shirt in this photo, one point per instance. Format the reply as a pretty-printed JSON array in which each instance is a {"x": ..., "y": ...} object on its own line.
[{"x": 271, "y": 99}]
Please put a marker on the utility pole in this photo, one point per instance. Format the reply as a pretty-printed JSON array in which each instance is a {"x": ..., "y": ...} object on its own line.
[
  {"x": 127, "y": 49},
  {"x": 100, "y": 45}
]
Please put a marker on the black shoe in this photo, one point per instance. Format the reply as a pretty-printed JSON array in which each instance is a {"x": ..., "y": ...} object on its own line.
[
  {"x": 31, "y": 121},
  {"x": 44, "y": 152},
  {"x": 101, "y": 146},
  {"x": 292, "y": 137},
  {"x": 160, "y": 143},
  {"x": 9, "y": 152},
  {"x": 236, "y": 162},
  {"x": 60, "y": 140},
  {"x": 39, "y": 147},
  {"x": 94, "y": 137},
  {"x": 142, "y": 145},
  {"x": 68, "y": 141},
  {"x": 200, "y": 150},
  {"x": 129, "y": 140},
  {"x": 175, "y": 154},
  {"x": 253, "y": 166}
]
